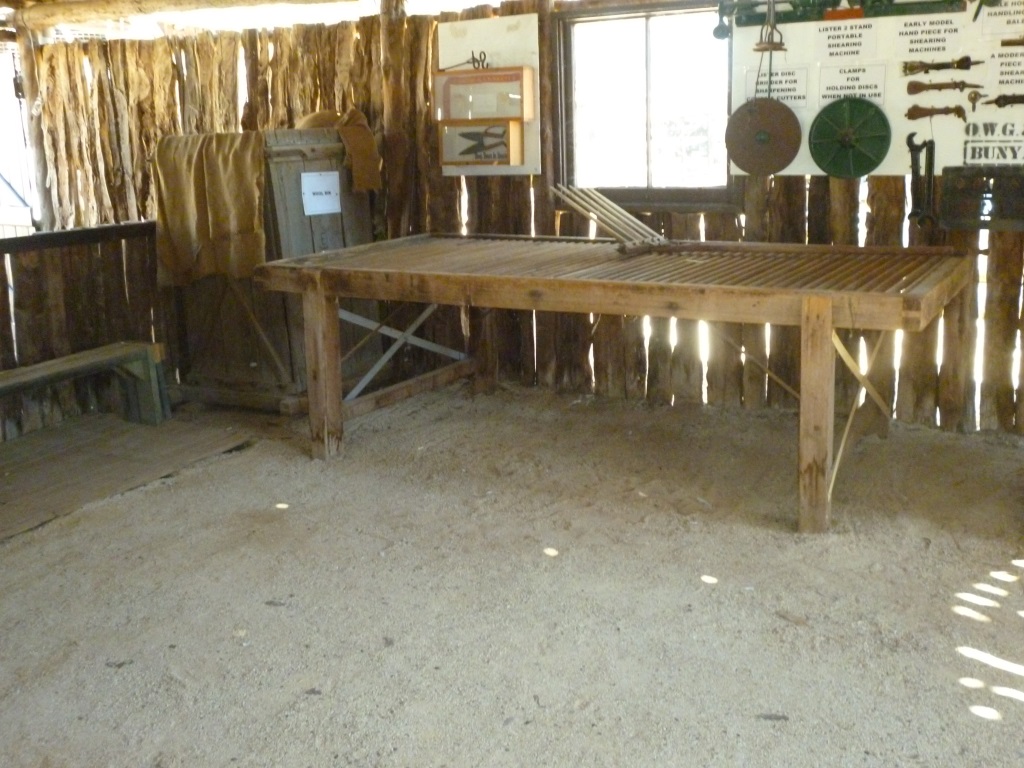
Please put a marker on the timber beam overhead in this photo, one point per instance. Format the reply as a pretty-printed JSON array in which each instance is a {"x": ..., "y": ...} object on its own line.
[{"x": 45, "y": 15}]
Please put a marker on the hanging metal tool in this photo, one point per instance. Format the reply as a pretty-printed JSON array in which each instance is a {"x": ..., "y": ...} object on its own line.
[
  {"x": 921, "y": 67},
  {"x": 1006, "y": 100},
  {"x": 770, "y": 39},
  {"x": 918, "y": 112},
  {"x": 922, "y": 188},
  {"x": 915, "y": 87}
]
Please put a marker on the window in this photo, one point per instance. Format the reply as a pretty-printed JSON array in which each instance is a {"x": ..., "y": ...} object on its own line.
[
  {"x": 16, "y": 194},
  {"x": 644, "y": 107}
]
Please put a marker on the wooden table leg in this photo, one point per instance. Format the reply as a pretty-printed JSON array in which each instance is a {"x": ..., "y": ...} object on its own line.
[
  {"x": 323, "y": 371},
  {"x": 817, "y": 413},
  {"x": 482, "y": 350}
]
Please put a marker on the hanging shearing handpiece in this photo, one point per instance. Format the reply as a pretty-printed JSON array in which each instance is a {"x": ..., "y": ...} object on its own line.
[
  {"x": 922, "y": 190},
  {"x": 1006, "y": 100},
  {"x": 923, "y": 67}
]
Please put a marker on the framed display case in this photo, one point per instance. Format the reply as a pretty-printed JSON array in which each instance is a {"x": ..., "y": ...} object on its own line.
[
  {"x": 481, "y": 142},
  {"x": 483, "y": 94}
]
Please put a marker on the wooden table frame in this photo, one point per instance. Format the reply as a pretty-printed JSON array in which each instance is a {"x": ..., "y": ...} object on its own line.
[{"x": 817, "y": 288}]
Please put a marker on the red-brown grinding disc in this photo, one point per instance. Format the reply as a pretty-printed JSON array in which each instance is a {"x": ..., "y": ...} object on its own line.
[{"x": 763, "y": 136}]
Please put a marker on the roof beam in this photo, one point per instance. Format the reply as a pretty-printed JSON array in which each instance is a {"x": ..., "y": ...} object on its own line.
[{"x": 42, "y": 16}]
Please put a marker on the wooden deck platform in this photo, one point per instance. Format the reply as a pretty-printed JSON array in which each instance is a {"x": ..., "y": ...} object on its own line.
[
  {"x": 817, "y": 288},
  {"x": 54, "y": 471}
]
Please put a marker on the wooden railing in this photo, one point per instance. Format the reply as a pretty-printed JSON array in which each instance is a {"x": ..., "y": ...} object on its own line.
[{"x": 69, "y": 291}]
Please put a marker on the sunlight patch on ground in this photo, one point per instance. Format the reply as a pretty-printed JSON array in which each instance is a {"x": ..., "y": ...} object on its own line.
[
  {"x": 991, "y": 590},
  {"x": 991, "y": 660},
  {"x": 984, "y": 602},
  {"x": 1009, "y": 693},
  {"x": 970, "y": 613},
  {"x": 986, "y": 713}
]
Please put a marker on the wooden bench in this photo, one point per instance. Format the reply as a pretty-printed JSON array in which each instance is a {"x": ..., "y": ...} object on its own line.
[{"x": 136, "y": 363}]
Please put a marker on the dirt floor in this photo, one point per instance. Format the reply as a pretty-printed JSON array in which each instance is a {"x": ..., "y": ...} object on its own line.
[{"x": 524, "y": 579}]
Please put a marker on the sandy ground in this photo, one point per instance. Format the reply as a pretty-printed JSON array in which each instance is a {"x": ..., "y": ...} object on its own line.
[{"x": 524, "y": 579}]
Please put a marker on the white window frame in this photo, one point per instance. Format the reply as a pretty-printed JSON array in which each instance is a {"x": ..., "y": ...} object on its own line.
[{"x": 727, "y": 197}]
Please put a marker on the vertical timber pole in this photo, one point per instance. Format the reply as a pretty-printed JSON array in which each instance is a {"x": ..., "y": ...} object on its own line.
[
  {"x": 30, "y": 78},
  {"x": 817, "y": 403},
  {"x": 323, "y": 370}
]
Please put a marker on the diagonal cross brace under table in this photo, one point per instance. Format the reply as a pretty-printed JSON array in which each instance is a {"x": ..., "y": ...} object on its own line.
[
  {"x": 401, "y": 337},
  {"x": 862, "y": 378},
  {"x": 866, "y": 386},
  {"x": 394, "y": 333}
]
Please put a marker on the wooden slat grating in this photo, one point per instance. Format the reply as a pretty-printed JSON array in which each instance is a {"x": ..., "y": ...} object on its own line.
[
  {"x": 872, "y": 288},
  {"x": 742, "y": 267}
]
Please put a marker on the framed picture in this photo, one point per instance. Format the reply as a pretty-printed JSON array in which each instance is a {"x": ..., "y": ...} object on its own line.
[{"x": 481, "y": 142}]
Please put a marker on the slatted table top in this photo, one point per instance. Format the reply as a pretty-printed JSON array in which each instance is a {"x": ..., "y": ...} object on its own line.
[{"x": 871, "y": 288}]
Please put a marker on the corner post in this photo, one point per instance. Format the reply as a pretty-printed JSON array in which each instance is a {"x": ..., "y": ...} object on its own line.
[{"x": 323, "y": 370}]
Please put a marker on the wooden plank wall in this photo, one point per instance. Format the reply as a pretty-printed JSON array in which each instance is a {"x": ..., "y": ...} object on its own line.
[
  {"x": 101, "y": 122},
  {"x": 74, "y": 291}
]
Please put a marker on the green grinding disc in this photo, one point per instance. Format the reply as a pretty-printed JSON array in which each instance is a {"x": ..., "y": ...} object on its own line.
[{"x": 849, "y": 138}]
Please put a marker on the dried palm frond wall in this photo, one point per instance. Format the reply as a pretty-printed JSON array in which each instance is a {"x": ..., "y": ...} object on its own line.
[{"x": 105, "y": 104}]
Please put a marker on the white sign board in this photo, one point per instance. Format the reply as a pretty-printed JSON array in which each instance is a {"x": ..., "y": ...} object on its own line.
[
  {"x": 321, "y": 193},
  {"x": 868, "y": 58},
  {"x": 502, "y": 41}
]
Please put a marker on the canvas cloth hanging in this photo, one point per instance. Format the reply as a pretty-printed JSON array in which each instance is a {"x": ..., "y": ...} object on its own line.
[{"x": 209, "y": 206}]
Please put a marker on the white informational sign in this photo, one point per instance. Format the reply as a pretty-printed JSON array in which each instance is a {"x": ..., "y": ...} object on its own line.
[
  {"x": 904, "y": 65},
  {"x": 840, "y": 42},
  {"x": 918, "y": 36},
  {"x": 787, "y": 84},
  {"x": 321, "y": 193},
  {"x": 502, "y": 41},
  {"x": 1010, "y": 77},
  {"x": 1004, "y": 20},
  {"x": 864, "y": 82}
]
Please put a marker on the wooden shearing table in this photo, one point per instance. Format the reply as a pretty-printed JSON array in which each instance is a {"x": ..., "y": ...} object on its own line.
[{"x": 817, "y": 288}]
